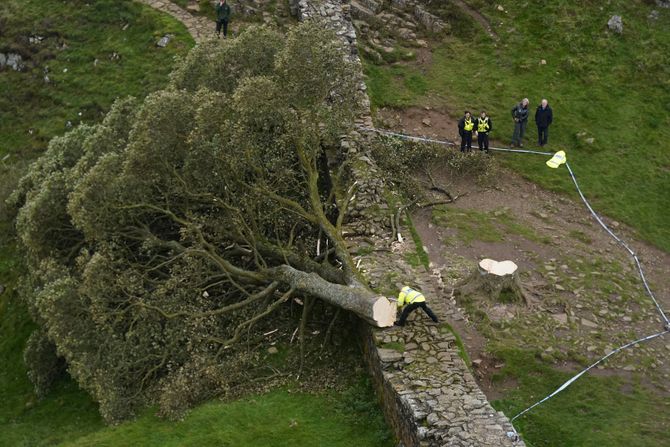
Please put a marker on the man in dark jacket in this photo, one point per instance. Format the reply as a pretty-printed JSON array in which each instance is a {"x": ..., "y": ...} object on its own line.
[
  {"x": 222, "y": 17},
  {"x": 465, "y": 127},
  {"x": 483, "y": 125},
  {"x": 543, "y": 118},
  {"x": 520, "y": 116}
]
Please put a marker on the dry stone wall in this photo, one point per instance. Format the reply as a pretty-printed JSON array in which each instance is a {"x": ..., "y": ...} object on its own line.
[{"x": 430, "y": 398}]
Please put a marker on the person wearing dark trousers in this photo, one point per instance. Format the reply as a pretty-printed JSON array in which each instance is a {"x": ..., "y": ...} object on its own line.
[
  {"x": 520, "y": 116},
  {"x": 222, "y": 18},
  {"x": 411, "y": 300},
  {"x": 484, "y": 125},
  {"x": 543, "y": 118},
  {"x": 465, "y": 127}
]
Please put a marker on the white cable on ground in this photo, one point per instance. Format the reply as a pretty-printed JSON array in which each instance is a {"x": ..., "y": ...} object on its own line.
[
  {"x": 578, "y": 375},
  {"x": 623, "y": 244}
]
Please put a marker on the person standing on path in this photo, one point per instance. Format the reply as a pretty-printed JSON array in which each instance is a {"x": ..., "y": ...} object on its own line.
[
  {"x": 465, "y": 127},
  {"x": 520, "y": 116},
  {"x": 411, "y": 300},
  {"x": 484, "y": 125},
  {"x": 222, "y": 17},
  {"x": 543, "y": 118}
]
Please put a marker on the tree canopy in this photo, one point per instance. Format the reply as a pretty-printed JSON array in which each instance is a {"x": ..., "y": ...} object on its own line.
[{"x": 156, "y": 239}]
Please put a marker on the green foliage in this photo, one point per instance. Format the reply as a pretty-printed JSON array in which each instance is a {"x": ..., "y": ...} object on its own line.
[
  {"x": 594, "y": 411},
  {"x": 152, "y": 238},
  {"x": 44, "y": 365},
  {"x": 599, "y": 84}
]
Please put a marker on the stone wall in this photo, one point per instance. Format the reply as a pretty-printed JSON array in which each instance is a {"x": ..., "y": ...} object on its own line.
[{"x": 428, "y": 394}]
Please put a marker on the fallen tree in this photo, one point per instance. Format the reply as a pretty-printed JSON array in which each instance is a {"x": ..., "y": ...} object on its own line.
[{"x": 159, "y": 238}]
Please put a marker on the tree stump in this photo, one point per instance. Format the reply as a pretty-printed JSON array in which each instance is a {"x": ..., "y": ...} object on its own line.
[{"x": 496, "y": 281}]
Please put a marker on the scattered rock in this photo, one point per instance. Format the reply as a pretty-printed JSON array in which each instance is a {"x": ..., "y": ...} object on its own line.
[
  {"x": 389, "y": 355},
  {"x": 273, "y": 350},
  {"x": 477, "y": 363},
  {"x": 163, "y": 42},
  {"x": 663, "y": 3},
  {"x": 653, "y": 15},
  {"x": 590, "y": 140},
  {"x": 561, "y": 318},
  {"x": 426, "y": 122},
  {"x": 589, "y": 323},
  {"x": 615, "y": 23},
  {"x": 193, "y": 7},
  {"x": 543, "y": 62},
  {"x": 500, "y": 8},
  {"x": 615, "y": 224},
  {"x": 11, "y": 60},
  {"x": 422, "y": 43}
]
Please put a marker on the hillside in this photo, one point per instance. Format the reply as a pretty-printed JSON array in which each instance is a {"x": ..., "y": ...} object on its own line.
[
  {"x": 610, "y": 92},
  {"x": 425, "y": 61}
]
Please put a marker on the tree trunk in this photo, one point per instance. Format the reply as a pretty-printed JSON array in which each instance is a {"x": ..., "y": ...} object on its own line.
[
  {"x": 375, "y": 309},
  {"x": 496, "y": 281}
]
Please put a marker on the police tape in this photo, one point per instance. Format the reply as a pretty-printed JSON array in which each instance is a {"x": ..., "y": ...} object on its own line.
[
  {"x": 585, "y": 370},
  {"x": 514, "y": 434}
]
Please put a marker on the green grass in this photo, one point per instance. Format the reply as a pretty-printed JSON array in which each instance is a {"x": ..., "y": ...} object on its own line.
[
  {"x": 395, "y": 345},
  {"x": 489, "y": 226},
  {"x": 277, "y": 419},
  {"x": 90, "y": 31},
  {"x": 599, "y": 84},
  {"x": 419, "y": 257},
  {"x": 593, "y": 411}
]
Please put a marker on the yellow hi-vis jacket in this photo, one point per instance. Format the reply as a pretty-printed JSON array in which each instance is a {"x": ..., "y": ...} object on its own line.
[{"x": 408, "y": 296}]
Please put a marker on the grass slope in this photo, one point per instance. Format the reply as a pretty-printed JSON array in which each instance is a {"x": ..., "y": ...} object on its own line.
[
  {"x": 89, "y": 58},
  {"x": 609, "y": 412},
  {"x": 613, "y": 88},
  {"x": 277, "y": 419}
]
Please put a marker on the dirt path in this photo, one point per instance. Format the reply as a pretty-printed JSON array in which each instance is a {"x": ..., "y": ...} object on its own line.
[
  {"x": 483, "y": 21},
  {"x": 200, "y": 28},
  {"x": 588, "y": 296}
]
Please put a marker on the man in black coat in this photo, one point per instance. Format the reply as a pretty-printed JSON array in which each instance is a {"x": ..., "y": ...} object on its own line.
[
  {"x": 520, "y": 116},
  {"x": 465, "y": 128},
  {"x": 543, "y": 118}
]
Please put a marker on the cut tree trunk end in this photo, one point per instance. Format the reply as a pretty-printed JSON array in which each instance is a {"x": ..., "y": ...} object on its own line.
[{"x": 495, "y": 281}]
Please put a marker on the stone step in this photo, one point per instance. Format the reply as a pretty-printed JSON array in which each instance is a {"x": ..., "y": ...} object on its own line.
[{"x": 358, "y": 11}]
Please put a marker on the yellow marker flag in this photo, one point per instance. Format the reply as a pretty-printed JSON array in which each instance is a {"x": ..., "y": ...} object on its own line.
[{"x": 558, "y": 159}]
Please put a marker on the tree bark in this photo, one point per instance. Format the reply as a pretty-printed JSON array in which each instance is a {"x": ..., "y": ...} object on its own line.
[
  {"x": 496, "y": 281},
  {"x": 375, "y": 309}
]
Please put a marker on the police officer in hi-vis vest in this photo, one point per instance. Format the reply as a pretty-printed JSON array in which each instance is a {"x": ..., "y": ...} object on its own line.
[
  {"x": 411, "y": 300},
  {"x": 483, "y": 125},
  {"x": 465, "y": 128}
]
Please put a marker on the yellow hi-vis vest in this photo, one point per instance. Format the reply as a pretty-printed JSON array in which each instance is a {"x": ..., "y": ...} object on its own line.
[
  {"x": 558, "y": 159},
  {"x": 468, "y": 125},
  {"x": 483, "y": 124},
  {"x": 408, "y": 296}
]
